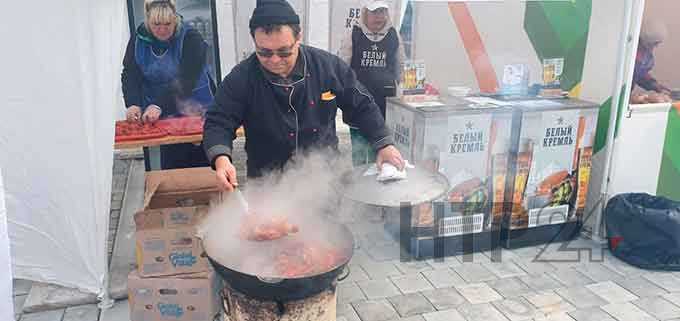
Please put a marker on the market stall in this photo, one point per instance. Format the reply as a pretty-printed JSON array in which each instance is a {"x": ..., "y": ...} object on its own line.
[
  {"x": 531, "y": 57},
  {"x": 652, "y": 127}
]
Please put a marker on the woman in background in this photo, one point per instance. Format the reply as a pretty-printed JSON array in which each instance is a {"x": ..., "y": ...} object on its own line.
[
  {"x": 165, "y": 74},
  {"x": 652, "y": 34}
]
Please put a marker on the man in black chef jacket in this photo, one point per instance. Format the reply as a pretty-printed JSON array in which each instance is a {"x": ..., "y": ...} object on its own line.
[{"x": 286, "y": 97}]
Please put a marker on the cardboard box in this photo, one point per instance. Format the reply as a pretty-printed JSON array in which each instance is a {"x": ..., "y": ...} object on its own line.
[
  {"x": 189, "y": 297},
  {"x": 175, "y": 201},
  {"x": 180, "y": 188},
  {"x": 166, "y": 242}
]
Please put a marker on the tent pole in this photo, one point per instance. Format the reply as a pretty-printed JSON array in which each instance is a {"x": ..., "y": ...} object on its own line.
[{"x": 626, "y": 51}]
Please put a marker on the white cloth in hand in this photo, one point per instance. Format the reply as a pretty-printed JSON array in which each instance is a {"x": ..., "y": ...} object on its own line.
[{"x": 389, "y": 172}]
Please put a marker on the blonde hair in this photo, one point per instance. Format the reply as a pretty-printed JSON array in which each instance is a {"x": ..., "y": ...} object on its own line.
[{"x": 160, "y": 12}]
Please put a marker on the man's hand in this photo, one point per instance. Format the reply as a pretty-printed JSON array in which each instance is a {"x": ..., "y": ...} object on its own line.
[
  {"x": 391, "y": 155},
  {"x": 226, "y": 173},
  {"x": 133, "y": 114},
  {"x": 151, "y": 114}
]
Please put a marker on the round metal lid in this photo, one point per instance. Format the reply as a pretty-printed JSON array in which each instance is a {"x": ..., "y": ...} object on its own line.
[{"x": 420, "y": 186}]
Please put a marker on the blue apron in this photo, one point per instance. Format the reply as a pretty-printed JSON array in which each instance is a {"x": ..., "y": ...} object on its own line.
[{"x": 160, "y": 71}]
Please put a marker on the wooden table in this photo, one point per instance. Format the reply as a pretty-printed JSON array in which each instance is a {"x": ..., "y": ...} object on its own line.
[{"x": 153, "y": 145}]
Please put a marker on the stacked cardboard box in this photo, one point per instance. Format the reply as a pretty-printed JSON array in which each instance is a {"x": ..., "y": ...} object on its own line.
[{"x": 174, "y": 280}]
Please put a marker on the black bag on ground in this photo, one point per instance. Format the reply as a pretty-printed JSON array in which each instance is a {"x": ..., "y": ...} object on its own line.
[{"x": 644, "y": 230}]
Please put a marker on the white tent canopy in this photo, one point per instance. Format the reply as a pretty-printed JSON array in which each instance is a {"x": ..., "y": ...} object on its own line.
[
  {"x": 60, "y": 94},
  {"x": 6, "y": 305}
]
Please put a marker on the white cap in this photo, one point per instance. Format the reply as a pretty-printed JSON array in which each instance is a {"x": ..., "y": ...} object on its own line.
[{"x": 371, "y": 5}]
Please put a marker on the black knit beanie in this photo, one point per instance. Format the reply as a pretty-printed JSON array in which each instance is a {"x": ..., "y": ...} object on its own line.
[{"x": 273, "y": 12}]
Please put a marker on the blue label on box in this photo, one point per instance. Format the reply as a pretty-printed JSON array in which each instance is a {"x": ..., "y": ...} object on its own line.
[
  {"x": 182, "y": 259},
  {"x": 170, "y": 310},
  {"x": 179, "y": 217}
]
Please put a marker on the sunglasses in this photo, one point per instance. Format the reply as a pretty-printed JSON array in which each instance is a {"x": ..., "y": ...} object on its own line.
[{"x": 281, "y": 53}]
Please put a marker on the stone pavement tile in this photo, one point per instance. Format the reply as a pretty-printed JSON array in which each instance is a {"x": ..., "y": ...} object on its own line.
[
  {"x": 476, "y": 257},
  {"x": 343, "y": 310},
  {"x": 580, "y": 297},
  {"x": 381, "y": 270},
  {"x": 52, "y": 315},
  {"x": 82, "y": 313},
  {"x": 411, "y": 304},
  {"x": 356, "y": 274},
  {"x": 533, "y": 268},
  {"x": 510, "y": 287},
  {"x": 117, "y": 195},
  {"x": 413, "y": 267},
  {"x": 549, "y": 302},
  {"x": 444, "y": 299},
  {"x": 481, "y": 312},
  {"x": 658, "y": 307},
  {"x": 612, "y": 292},
  {"x": 349, "y": 292},
  {"x": 340, "y": 318},
  {"x": 665, "y": 280},
  {"x": 443, "y": 278},
  {"x": 413, "y": 318},
  {"x": 641, "y": 287},
  {"x": 116, "y": 205},
  {"x": 411, "y": 283},
  {"x": 446, "y": 315},
  {"x": 119, "y": 312},
  {"x": 478, "y": 293},
  {"x": 591, "y": 314},
  {"x": 378, "y": 289},
  {"x": 598, "y": 272},
  {"x": 527, "y": 252},
  {"x": 443, "y": 263},
  {"x": 560, "y": 316},
  {"x": 21, "y": 287},
  {"x": 382, "y": 253},
  {"x": 45, "y": 296},
  {"x": 627, "y": 312},
  {"x": 570, "y": 277},
  {"x": 474, "y": 272},
  {"x": 19, "y": 303},
  {"x": 621, "y": 267},
  {"x": 673, "y": 298},
  {"x": 506, "y": 269},
  {"x": 516, "y": 309},
  {"x": 500, "y": 254},
  {"x": 541, "y": 282},
  {"x": 379, "y": 310},
  {"x": 361, "y": 258},
  {"x": 561, "y": 255}
]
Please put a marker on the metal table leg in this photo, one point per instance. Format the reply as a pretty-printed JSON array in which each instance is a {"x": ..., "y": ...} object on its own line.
[{"x": 152, "y": 158}]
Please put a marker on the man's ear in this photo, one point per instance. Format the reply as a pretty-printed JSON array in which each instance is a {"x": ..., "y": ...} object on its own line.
[{"x": 300, "y": 36}]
